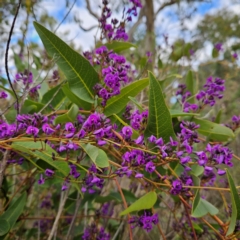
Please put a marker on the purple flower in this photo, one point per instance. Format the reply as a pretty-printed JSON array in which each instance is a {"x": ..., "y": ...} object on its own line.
[
  {"x": 127, "y": 132},
  {"x": 139, "y": 175},
  {"x": 3, "y": 95},
  {"x": 235, "y": 55},
  {"x": 185, "y": 160},
  {"x": 41, "y": 180},
  {"x": 32, "y": 131},
  {"x": 49, "y": 172},
  {"x": 74, "y": 172},
  {"x": 101, "y": 143},
  {"x": 139, "y": 140},
  {"x": 218, "y": 46},
  {"x": 221, "y": 172},
  {"x": 47, "y": 129},
  {"x": 176, "y": 187},
  {"x": 150, "y": 167},
  {"x": 69, "y": 127}
]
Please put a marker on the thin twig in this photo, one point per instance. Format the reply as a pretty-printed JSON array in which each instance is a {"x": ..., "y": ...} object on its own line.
[
  {"x": 70, "y": 9},
  {"x": 71, "y": 228},
  {"x": 118, "y": 230},
  {"x": 60, "y": 209},
  {"x": 6, "y": 54},
  {"x": 3, "y": 166},
  {"x": 90, "y": 9},
  {"x": 54, "y": 95},
  {"x": 125, "y": 205}
]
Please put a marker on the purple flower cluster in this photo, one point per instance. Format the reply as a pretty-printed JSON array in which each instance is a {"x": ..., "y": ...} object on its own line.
[
  {"x": 177, "y": 185},
  {"x": 114, "y": 73},
  {"x": 3, "y": 95},
  {"x": 212, "y": 90},
  {"x": 49, "y": 173},
  {"x": 218, "y": 46},
  {"x": 115, "y": 30},
  {"x": 145, "y": 221},
  {"x": 138, "y": 120},
  {"x": 235, "y": 124},
  {"x": 26, "y": 77},
  {"x": 91, "y": 181},
  {"x": 92, "y": 232}
]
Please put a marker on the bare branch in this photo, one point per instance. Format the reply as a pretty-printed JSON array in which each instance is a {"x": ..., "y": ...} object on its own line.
[
  {"x": 165, "y": 5},
  {"x": 90, "y": 10},
  {"x": 87, "y": 29},
  {"x": 6, "y": 54},
  {"x": 70, "y": 9},
  {"x": 60, "y": 209},
  {"x": 3, "y": 166},
  {"x": 71, "y": 228}
]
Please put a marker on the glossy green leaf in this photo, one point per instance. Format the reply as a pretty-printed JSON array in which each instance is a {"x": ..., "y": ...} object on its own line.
[
  {"x": 118, "y": 47},
  {"x": 191, "y": 85},
  {"x": 80, "y": 74},
  {"x": 218, "y": 117},
  {"x": 235, "y": 204},
  {"x": 159, "y": 119},
  {"x": 201, "y": 207},
  {"x": 4, "y": 227},
  {"x": 119, "y": 102},
  {"x": 145, "y": 202},
  {"x": 97, "y": 155},
  {"x": 213, "y": 130},
  {"x": 75, "y": 99},
  {"x": 14, "y": 211},
  {"x": 178, "y": 113},
  {"x": 70, "y": 116},
  {"x": 42, "y": 151},
  {"x": 56, "y": 100}
]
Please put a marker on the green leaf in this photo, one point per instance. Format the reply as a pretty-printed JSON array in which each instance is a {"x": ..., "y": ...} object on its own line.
[
  {"x": 14, "y": 211},
  {"x": 75, "y": 99},
  {"x": 235, "y": 204},
  {"x": 145, "y": 202},
  {"x": 191, "y": 85},
  {"x": 201, "y": 207},
  {"x": 136, "y": 103},
  {"x": 215, "y": 53},
  {"x": 80, "y": 74},
  {"x": 19, "y": 63},
  {"x": 97, "y": 155},
  {"x": 197, "y": 170},
  {"x": 70, "y": 116},
  {"x": 118, "y": 47},
  {"x": 218, "y": 117},
  {"x": 4, "y": 227},
  {"x": 160, "y": 64},
  {"x": 159, "y": 120},
  {"x": 213, "y": 130},
  {"x": 57, "y": 99},
  {"x": 119, "y": 102},
  {"x": 178, "y": 113},
  {"x": 42, "y": 151},
  {"x": 35, "y": 106}
]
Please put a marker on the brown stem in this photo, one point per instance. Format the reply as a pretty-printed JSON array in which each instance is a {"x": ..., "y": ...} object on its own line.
[{"x": 125, "y": 205}]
